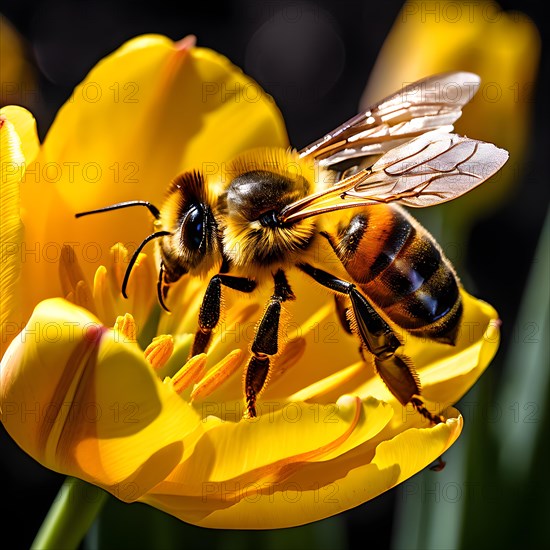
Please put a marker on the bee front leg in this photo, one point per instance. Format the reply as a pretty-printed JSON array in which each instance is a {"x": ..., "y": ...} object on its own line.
[
  {"x": 266, "y": 343},
  {"x": 396, "y": 370},
  {"x": 209, "y": 314}
]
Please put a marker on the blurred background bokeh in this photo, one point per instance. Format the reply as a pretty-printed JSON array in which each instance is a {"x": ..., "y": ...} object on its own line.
[{"x": 320, "y": 61}]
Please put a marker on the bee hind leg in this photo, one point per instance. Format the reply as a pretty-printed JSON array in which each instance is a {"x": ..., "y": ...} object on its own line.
[
  {"x": 399, "y": 375},
  {"x": 265, "y": 343},
  {"x": 396, "y": 370}
]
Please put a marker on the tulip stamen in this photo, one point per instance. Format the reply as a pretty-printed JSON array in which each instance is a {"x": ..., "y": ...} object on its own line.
[
  {"x": 107, "y": 298},
  {"x": 126, "y": 326},
  {"x": 83, "y": 296},
  {"x": 221, "y": 372},
  {"x": 102, "y": 296},
  {"x": 73, "y": 283},
  {"x": 159, "y": 350},
  {"x": 190, "y": 373}
]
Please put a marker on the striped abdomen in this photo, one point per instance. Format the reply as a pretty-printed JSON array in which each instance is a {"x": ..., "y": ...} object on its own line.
[{"x": 401, "y": 269}]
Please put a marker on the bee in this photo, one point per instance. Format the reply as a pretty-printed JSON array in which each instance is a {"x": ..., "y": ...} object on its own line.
[{"x": 342, "y": 192}]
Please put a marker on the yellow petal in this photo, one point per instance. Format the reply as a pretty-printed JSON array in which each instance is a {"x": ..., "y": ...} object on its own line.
[
  {"x": 25, "y": 126},
  {"x": 317, "y": 490},
  {"x": 327, "y": 386},
  {"x": 143, "y": 114},
  {"x": 144, "y": 425},
  {"x": 18, "y": 146},
  {"x": 270, "y": 448},
  {"x": 84, "y": 403}
]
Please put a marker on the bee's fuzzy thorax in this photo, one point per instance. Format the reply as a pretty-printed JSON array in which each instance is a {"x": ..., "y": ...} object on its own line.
[
  {"x": 264, "y": 181},
  {"x": 250, "y": 244},
  {"x": 284, "y": 162}
]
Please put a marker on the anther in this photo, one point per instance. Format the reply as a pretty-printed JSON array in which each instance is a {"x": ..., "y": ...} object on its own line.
[
  {"x": 159, "y": 350},
  {"x": 190, "y": 373},
  {"x": 126, "y": 326},
  {"x": 218, "y": 374}
]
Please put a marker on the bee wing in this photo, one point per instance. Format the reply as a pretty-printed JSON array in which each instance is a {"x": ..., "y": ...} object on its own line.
[
  {"x": 429, "y": 104},
  {"x": 433, "y": 168},
  {"x": 429, "y": 170}
]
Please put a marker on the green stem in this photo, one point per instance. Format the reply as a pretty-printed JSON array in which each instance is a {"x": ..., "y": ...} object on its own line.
[{"x": 72, "y": 513}]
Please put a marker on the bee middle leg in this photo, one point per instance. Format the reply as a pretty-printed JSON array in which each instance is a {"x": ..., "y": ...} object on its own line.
[
  {"x": 265, "y": 343},
  {"x": 209, "y": 314},
  {"x": 396, "y": 370}
]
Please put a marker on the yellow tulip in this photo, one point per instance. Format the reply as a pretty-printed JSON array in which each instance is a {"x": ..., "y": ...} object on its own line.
[
  {"x": 98, "y": 387},
  {"x": 85, "y": 400},
  {"x": 501, "y": 47}
]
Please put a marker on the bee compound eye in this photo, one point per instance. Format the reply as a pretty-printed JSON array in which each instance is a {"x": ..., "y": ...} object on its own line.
[{"x": 193, "y": 227}]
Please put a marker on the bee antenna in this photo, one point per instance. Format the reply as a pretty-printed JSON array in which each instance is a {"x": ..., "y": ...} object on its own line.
[
  {"x": 152, "y": 208},
  {"x": 156, "y": 235}
]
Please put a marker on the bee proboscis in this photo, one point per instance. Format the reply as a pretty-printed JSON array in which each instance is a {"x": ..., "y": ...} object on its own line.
[{"x": 268, "y": 216}]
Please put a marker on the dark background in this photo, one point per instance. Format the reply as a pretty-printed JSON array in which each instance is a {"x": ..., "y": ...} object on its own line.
[{"x": 316, "y": 75}]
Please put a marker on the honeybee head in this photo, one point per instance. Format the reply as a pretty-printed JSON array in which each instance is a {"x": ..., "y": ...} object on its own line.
[{"x": 193, "y": 243}]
